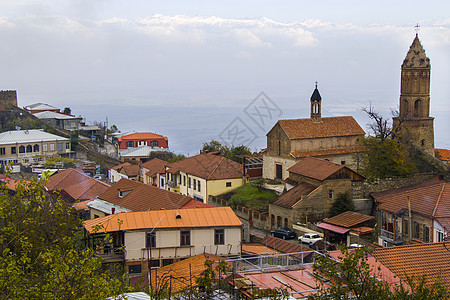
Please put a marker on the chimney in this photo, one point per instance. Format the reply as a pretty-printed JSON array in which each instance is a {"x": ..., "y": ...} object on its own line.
[{"x": 113, "y": 210}]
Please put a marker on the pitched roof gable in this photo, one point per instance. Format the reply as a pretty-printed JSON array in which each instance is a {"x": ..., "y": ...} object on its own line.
[
  {"x": 328, "y": 127},
  {"x": 162, "y": 219},
  {"x": 348, "y": 219},
  {"x": 155, "y": 165},
  {"x": 208, "y": 166},
  {"x": 141, "y": 136},
  {"x": 143, "y": 197},
  {"x": 294, "y": 195},
  {"x": 315, "y": 168}
]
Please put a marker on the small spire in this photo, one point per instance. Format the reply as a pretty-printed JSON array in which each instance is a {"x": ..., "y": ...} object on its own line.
[
  {"x": 316, "y": 84},
  {"x": 417, "y": 29}
]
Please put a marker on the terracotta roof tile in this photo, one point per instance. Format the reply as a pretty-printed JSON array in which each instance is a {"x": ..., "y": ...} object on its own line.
[
  {"x": 329, "y": 127},
  {"x": 141, "y": 135},
  {"x": 76, "y": 184},
  {"x": 432, "y": 260},
  {"x": 131, "y": 170},
  {"x": 324, "y": 152},
  {"x": 155, "y": 166},
  {"x": 257, "y": 248},
  {"x": 348, "y": 219},
  {"x": 282, "y": 245},
  {"x": 196, "y": 204},
  {"x": 208, "y": 166},
  {"x": 81, "y": 205},
  {"x": 119, "y": 167},
  {"x": 430, "y": 198},
  {"x": 315, "y": 168},
  {"x": 294, "y": 195},
  {"x": 191, "y": 217},
  {"x": 442, "y": 154},
  {"x": 143, "y": 197}
]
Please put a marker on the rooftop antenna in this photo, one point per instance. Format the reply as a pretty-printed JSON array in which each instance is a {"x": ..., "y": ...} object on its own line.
[{"x": 417, "y": 29}]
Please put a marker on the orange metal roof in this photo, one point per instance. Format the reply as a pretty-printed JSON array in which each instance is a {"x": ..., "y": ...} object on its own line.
[
  {"x": 141, "y": 135},
  {"x": 348, "y": 219},
  {"x": 256, "y": 248},
  {"x": 442, "y": 154},
  {"x": 328, "y": 127},
  {"x": 190, "y": 217},
  {"x": 432, "y": 260}
]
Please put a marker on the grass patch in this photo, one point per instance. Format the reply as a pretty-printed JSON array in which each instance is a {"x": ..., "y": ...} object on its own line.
[{"x": 253, "y": 196}]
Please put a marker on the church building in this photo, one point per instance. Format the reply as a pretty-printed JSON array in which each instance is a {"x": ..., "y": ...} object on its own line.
[
  {"x": 414, "y": 121},
  {"x": 335, "y": 139}
]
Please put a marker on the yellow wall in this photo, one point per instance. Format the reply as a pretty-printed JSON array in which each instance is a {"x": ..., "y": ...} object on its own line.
[
  {"x": 217, "y": 187},
  {"x": 93, "y": 212}
]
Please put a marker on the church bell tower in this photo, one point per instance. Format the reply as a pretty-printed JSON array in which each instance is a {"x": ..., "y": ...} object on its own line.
[
  {"x": 316, "y": 101},
  {"x": 414, "y": 119}
]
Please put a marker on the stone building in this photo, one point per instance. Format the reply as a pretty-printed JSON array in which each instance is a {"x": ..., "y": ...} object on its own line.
[
  {"x": 333, "y": 138},
  {"x": 8, "y": 98},
  {"x": 414, "y": 119},
  {"x": 317, "y": 183}
]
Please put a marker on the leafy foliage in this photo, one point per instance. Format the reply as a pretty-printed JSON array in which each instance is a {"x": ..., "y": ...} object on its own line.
[
  {"x": 41, "y": 253},
  {"x": 229, "y": 152},
  {"x": 252, "y": 195},
  {"x": 67, "y": 110},
  {"x": 342, "y": 204},
  {"x": 386, "y": 158},
  {"x": 63, "y": 162}
]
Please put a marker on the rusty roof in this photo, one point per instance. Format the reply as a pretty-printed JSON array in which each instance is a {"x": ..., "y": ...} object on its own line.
[
  {"x": 430, "y": 198},
  {"x": 349, "y": 219},
  {"x": 131, "y": 170},
  {"x": 76, "y": 184},
  {"x": 208, "y": 166},
  {"x": 154, "y": 166},
  {"x": 182, "y": 275},
  {"x": 257, "y": 248},
  {"x": 282, "y": 245},
  {"x": 141, "y": 136},
  {"x": 324, "y": 152},
  {"x": 328, "y": 127},
  {"x": 315, "y": 168},
  {"x": 143, "y": 197},
  {"x": 431, "y": 260},
  {"x": 174, "y": 218},
  {"x": 294, "y": 195},
  {"x": 119, "y": 167}
]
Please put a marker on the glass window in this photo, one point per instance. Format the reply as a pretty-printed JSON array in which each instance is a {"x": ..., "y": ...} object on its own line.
[
  {"x": 219, "y": 237},
  {"x": 60, "y": 146},
  {"x": 154, "y": 143},
  {"x": 130, "y": 144},
  {"x": 228, "y": 184},
  {"x": 330, "y": 194},
  {"x": 36, "y": 148},
  {"x": 22, "y": 149},
  {"x": 29, "y": 148},
  {"x": 184, "y": 180},
  {"x": 45, "y": 148},
  {"x": 185, "y": 238},
  {"x": 199, "y": 187},
  {"x": 189, "y": 182},
  {"x": 2, "y": 151},
  {"x": 13, "y": 150},
  {"x": 150, "y": 240},
  {"x": 195, "y": 184},
  {"x": 52, "y": 147}
]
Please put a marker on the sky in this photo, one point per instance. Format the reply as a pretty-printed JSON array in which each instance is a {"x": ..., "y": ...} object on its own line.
[{"x": 226, "y": 70}]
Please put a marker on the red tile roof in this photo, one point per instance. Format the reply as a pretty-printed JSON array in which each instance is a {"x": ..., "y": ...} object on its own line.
[
  {"x": 208, "y": 166},
  {"x": 294, "y": 195},
  {"x": 162, "y": 219},
  {"x": 77, "y": 185},
  {"x": 196, "y": 204},
  {"x": 329, "y": 127},
  {"x": 430, "y": 198},
  {"x": 119, "y": 167},
  {"x": 432, "y": 260},
  {"x": 324, "y": 152},
  {"x": 143, "y": 197},
  {"x": 81, "y": 205},
  {"x": 348, "y": 219},
  {"x": 131, "y": 170},
  {"x": 154, "y": 166},
  {"x": 442, "y": 154},
  {"x": 315, "y": 168},
  {"x": 282, "y": 245},
  {"x": 141, "y": 136}
]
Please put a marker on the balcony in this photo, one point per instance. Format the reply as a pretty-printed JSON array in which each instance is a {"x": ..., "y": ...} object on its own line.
[
  {"x": 110, "y": 255},
  {"x": 172, "y": 184},
  {"x": 394, "y": 238}
]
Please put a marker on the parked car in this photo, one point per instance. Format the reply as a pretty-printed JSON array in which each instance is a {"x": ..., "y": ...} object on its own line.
[
  {"x": 309, "y": 238},
  {"x": 322, "y": 245},
  {"x": 284, "y": 233},
  {"x": 354, "y": 246}
]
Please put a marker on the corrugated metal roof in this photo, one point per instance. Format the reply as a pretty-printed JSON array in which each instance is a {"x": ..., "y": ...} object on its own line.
[
  {"x": 28, "y": 136},
  {"x": 140, "y": 151},
  {"x": 54, "y": 115},
  {"x": 349, "y": 219},
  {"x": 40, "y": 106},
  {"x": 176, "y": 218}
]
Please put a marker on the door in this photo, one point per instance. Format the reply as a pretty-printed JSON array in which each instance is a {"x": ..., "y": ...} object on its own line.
[{"x": 279, "y": 171}]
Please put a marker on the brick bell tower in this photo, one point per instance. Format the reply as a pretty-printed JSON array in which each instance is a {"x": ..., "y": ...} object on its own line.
[{"x": 414, "y": 119}]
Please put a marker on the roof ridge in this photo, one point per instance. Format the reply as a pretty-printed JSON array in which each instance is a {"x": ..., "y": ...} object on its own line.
[
  {"x": 438, "y": 200},
  {"x": 212, "y": 172}
]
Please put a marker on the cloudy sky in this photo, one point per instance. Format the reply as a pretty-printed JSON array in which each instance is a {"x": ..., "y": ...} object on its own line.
[{"x": 195, "y": 70}]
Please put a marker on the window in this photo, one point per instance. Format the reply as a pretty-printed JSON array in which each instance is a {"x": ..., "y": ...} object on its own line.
[
  {"x": 154, "y": 143},
  {"x": 45, "y": 148},
  {"x": 52, "y": 147},
  {"x": 416, "y": 230},
  {"x": 130, "y": 144},
  {"x": 342, "y": 162},
  {"x": 167, "y": 261},
  {"x": 228, "y": 184},
  {"x": 195, "y": 184},
  {"x": 426, "y": 234},
  {"x": 29, "y": 148},
  {"x": 405, "y": 227},
  {"x": 219, "y": 237},
  {"x": 13, "y": 150},
  {"x": 67, "y": 146},
  {"x": 185, "y": 238},
  {"x": 137, "y": 269},
  {"x": 189, "y": 182},
  {"x": 439, "y": 236},
  {"x": 2, "y": 151},
  {"x": 150, "y": 241},
  {"x": 155, "y": 263},
  {"x": 60, "y": 146},
  {"x": 36, "y": 148},
  {"x": 199, "y": 188},
  {"x": 22, "y": 149},
  {"x": 184, "y": 180},
  {"x": 330, "y": 194},
  {"x": 279, "y": 171}
]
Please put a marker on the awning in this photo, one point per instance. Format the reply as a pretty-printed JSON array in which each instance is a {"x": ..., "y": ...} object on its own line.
[{"x": 333, "y": 228}]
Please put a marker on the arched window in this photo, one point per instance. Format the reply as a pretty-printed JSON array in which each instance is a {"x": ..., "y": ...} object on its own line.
[
  {"x": 405, "y": 108},
  {"x": 36, "y": 148},
  {"x": 29, "y": 148},
  {"x": 22, "y": 149},
  {"x": 417, "y": 108}
]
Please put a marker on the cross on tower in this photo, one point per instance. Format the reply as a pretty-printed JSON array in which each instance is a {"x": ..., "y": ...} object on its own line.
[
  {"x": 316, "y": 84},
  {"x": 417, "y": 29}
]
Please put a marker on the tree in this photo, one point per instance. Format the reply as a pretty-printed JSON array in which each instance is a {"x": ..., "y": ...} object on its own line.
[
  {"x": 386, "y": 158},
  {"x": 67, "y": 110},
  {"x": 342, "y": 204},
  {"x": 381, "y": 127},
  {"x": 353, "y": 277},
  {"x": 232, "y": 152},
  {"x": 41, "y": 251}
]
